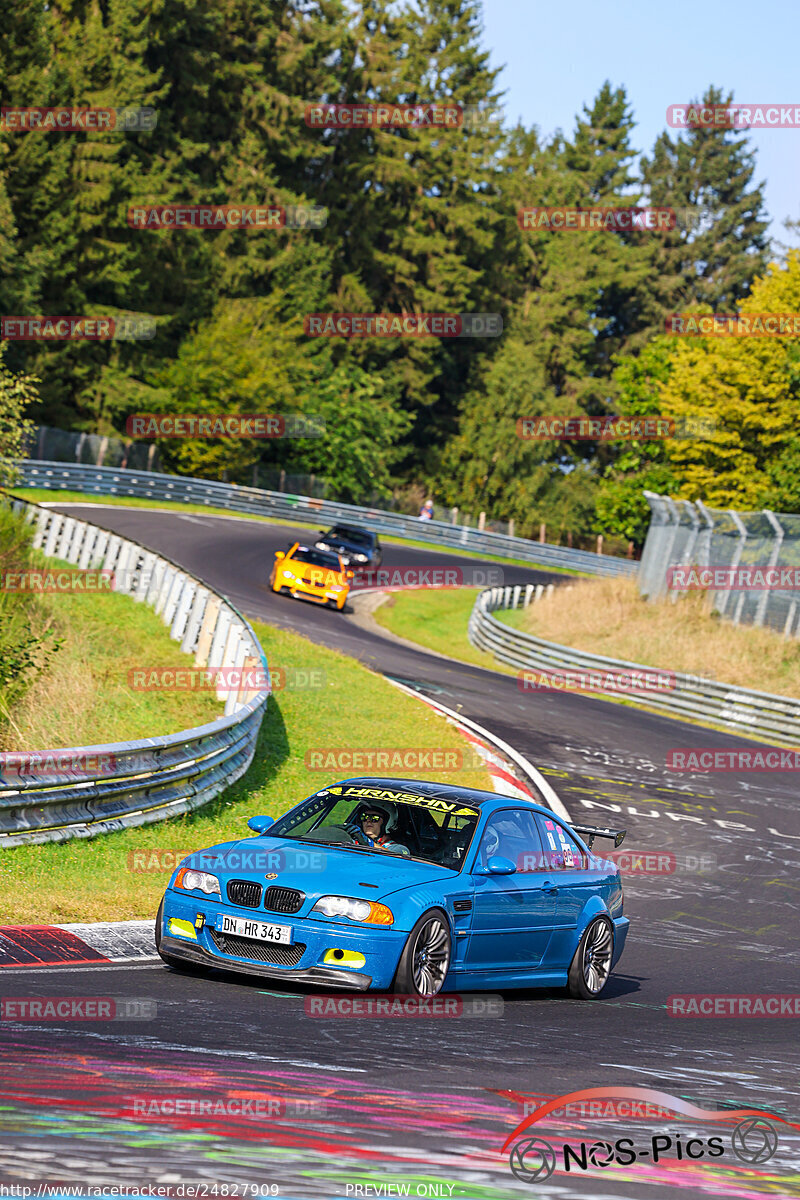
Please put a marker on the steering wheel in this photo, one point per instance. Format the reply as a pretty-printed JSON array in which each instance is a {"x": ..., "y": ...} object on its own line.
[{"x": 358, "y": 835}]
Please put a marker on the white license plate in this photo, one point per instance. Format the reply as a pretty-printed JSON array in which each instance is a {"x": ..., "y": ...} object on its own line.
[{"x": 260, "y": 931}]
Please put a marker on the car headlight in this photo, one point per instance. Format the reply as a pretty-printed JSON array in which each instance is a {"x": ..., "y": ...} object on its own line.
[
  {"x": 198, "y": 881},
  {"x": 357, "y": 910},
  {"x": 361, "y": 558},
  {"x": 323, "y": 546},
  {"x": 336, "y": 588}
]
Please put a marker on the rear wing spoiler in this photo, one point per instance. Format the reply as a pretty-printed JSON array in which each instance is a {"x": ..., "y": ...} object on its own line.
[{"x": 590, "y": 832}]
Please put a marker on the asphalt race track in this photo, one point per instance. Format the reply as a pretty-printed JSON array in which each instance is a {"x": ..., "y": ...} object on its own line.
[{"x": 426, "y": 1100}]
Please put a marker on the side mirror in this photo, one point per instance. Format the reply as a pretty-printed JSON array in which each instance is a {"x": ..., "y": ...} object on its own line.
[
  {"x": 497, "y": 865},
  {"x": 350, "y": 574},
  {"x": 280, "y": 554},
  {"x": 260, "y": 824}
]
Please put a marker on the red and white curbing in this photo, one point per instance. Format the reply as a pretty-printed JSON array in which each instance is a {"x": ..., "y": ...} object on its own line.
[
  {"x": 76, "y": 945},
  {"x": 512, "y": 774}
]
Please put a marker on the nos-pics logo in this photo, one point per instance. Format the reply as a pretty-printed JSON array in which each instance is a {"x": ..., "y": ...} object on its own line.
[{"x": 533, "y": 1159}]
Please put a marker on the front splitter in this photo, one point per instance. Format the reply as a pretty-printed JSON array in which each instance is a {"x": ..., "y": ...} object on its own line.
[{"x": 318, "y": 976}]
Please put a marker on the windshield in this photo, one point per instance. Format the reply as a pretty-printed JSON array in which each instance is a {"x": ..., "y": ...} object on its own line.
[
  {"x": 358, "y": 536},
  {"x": 317, "y": 558},
  {"x": 384, "y": 821}
]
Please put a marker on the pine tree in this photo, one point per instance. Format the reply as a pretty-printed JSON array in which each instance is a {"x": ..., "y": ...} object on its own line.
[{"x": 720, "y": 241}]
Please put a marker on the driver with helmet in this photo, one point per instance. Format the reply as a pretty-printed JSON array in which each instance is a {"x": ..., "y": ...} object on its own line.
[{"x": 374, "y": 820}]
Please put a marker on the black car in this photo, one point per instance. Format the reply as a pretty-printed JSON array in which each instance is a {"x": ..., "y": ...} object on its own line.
[{"x": 358, "y": 547}]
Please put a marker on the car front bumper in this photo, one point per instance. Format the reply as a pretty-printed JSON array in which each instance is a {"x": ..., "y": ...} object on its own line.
[
  {"x": 309, "y": 591},
  {"x": 324, "y": 976},
  {"x": 303, "y": 961}
]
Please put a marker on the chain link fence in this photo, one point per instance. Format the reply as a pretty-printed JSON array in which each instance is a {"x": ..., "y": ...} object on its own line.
[{"x": 752, "y": 547}]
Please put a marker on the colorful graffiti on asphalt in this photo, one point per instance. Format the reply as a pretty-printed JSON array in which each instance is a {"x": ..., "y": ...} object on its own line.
[{"x": 66, "y": 1116}]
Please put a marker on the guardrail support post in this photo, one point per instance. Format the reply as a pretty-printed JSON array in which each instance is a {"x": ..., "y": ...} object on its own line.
[
  {"x": 56, "y": 521},
  {"x": 194, "y": 620},
  {"x": 725, "y": 596},
  {"x": 182, "y": 609},
  {"x": 774, "y": 555}
]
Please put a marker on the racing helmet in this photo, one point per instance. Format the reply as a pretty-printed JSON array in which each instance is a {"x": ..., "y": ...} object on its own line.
[{"x": 386, "y": 807}]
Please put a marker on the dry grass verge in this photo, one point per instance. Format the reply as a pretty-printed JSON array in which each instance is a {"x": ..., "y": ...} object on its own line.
[{"x": 609, "y": 617}]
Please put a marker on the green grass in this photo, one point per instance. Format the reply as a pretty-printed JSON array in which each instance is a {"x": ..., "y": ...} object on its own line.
[
  {"x": 437, "y": 620},
  {"x": 55, "y": 495},
  {"x": 94, "y": 880},
  {"x": 83, "y": 697},
  {"x": 515, "y": 617}
]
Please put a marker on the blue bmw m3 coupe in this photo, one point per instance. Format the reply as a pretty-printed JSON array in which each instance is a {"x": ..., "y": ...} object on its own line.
[{"x": 403, "y": 885}]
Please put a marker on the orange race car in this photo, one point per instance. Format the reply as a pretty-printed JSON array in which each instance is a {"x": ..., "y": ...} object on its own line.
[{"x": 315, "y": 574}]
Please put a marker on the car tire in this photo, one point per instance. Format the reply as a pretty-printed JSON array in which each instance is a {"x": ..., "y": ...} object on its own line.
[
  {"x": 429, "y": 940},
  {"x": 590, "y": 969},
  {"x": 177, "y": 964}
]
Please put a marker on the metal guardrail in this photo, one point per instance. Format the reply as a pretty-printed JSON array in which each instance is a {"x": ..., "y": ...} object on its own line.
[
  {"x": 54, "y": 795},
  {"x": 108, "y": 481},
  {"x": 760, "y": 714}
]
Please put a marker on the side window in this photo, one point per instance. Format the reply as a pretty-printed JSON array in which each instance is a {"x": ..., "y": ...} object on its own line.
[
  {"x": 561, "y": 851},
  {"x": 512, "y": 834}
]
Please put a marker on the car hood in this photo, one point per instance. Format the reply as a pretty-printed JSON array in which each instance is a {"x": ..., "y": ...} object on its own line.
[
  {"x": 347, "y": 547},
  {"x": 322, "y": 577},
  {"x": 315, "y": 868}
]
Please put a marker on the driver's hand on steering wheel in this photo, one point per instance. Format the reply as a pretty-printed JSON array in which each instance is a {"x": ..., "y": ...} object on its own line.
[{"x": 357, "y": 834}]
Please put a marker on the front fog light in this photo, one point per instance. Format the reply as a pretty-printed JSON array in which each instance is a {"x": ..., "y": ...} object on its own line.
[{"x": 343, "y": 958}]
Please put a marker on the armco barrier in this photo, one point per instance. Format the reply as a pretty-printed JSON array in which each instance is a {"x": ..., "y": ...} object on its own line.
[
  {"x": 775, "y": 719},
  {"x": 109, "y": 481},
  {"x": 155, "y": 778}
]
